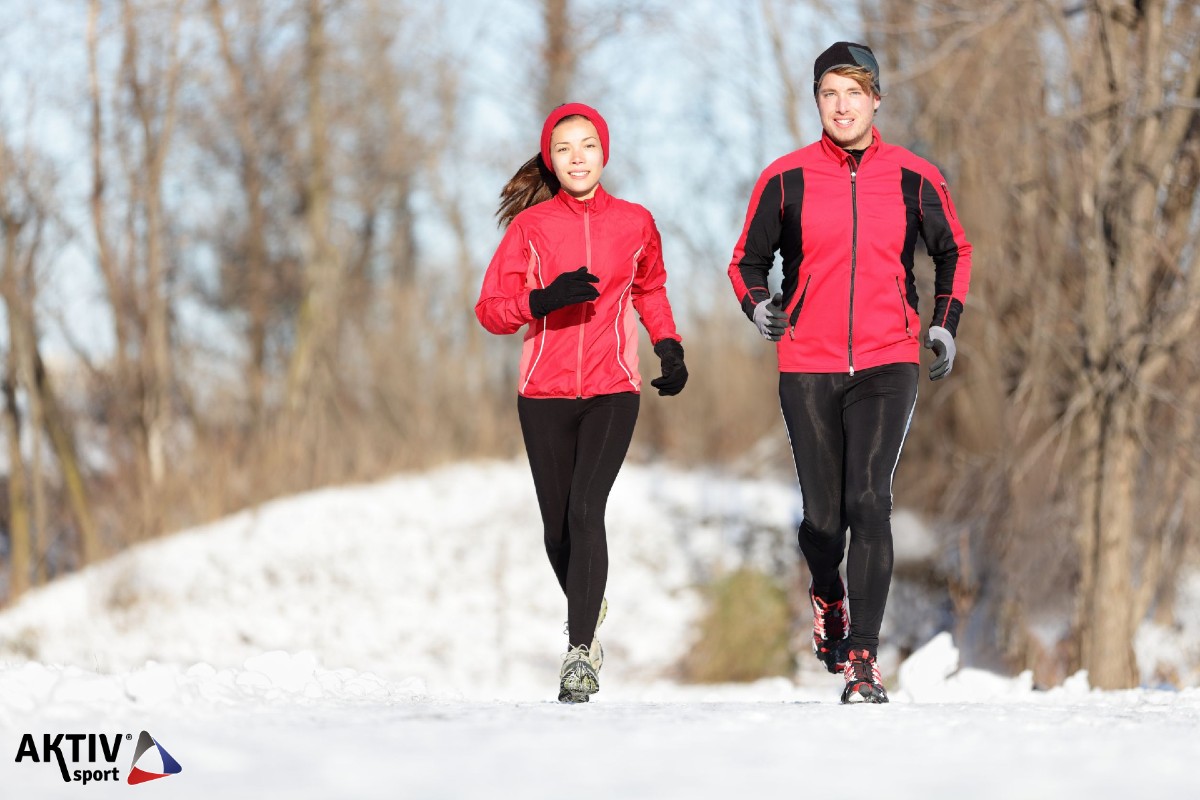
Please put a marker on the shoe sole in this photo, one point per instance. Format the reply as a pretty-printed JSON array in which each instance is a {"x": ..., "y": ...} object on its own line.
[
  {"x": 572, "y": 699},
  {"x": 864, "y": 695}
]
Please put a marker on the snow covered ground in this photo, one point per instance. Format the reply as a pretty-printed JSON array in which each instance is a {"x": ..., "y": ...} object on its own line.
[{"x": 401, "y": 640}]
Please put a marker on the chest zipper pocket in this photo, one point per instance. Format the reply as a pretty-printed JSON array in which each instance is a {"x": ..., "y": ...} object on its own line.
[
  {"x": 903, "y": 308},
  {"x": 796, "y": 311}
]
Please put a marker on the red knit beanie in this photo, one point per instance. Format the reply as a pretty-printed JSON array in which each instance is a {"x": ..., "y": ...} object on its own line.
[{"x": 567, "y": 110}]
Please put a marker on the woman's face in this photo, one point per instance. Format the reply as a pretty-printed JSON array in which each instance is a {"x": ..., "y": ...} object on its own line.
[{"x": 577, "y": 157}]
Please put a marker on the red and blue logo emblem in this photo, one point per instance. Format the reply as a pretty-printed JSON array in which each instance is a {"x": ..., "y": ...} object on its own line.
[{"x": 169, "y": 765}]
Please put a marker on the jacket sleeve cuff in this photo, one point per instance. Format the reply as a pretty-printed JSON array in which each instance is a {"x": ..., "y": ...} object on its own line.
[
  {"x": 752, "y": 299},
  {"x": 946, "y": 311}
]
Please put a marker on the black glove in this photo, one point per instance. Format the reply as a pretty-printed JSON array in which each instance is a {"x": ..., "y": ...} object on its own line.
[
  {"x": 567, "y": 289},
  {"x": 674, "y": 373}
]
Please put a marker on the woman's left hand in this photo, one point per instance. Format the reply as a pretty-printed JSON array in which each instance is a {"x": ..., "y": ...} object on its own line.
[{"x": 674, "y": 372}]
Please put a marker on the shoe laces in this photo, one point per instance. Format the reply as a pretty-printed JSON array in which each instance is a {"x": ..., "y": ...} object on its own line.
[
  {"x": 577, "y": 653},
  {"x": 860, "y": 666},
  {"x": 826, "y": 610}
]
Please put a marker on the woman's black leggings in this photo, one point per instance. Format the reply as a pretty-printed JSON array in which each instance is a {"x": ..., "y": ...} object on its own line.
[
  {"x": 576, "y": 448},
  {"x": 846, "y": 434}
]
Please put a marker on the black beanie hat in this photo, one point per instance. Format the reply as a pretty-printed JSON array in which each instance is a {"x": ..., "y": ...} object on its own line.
[{"x": 846, "y": 54}]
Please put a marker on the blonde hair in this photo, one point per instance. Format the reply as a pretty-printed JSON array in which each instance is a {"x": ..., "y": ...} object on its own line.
[{"x": 860, "y": 75}]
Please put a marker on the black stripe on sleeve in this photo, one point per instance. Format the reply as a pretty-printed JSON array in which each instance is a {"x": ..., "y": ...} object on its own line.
[
  {"x": 762, "y": 240},
  {"x": 943, "y": 249},
  {"x": 910, "y": 187},
  {"x": 791, "y": 240}
]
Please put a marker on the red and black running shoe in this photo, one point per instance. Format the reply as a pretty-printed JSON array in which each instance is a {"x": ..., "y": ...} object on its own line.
[
  {"x": 831, "y": 621},
  {"x": 863, "y": 682}
]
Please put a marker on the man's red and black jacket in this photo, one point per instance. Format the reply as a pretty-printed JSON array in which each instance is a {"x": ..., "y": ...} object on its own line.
[{"x": 846, "y": 232}]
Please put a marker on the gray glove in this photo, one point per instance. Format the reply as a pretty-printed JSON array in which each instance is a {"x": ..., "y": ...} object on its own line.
[
  {"x": 770, "y": 319},
  {"x": 939, "y": 340}
]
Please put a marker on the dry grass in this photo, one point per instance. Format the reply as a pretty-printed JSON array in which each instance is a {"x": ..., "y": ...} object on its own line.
[{"x": 745, "y": 633}]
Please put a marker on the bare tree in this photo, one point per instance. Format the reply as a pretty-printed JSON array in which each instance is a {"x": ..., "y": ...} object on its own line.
[
  {"x": 1141, "y": 291},
  {"x": 251, "y": 266},
  {"x": 143, "y": 116},
  {"x": 25, "y": 486},
  {"x": 1083, "y": 207},
  {"x": 310, "y": 375},
  {"x": 24, "y": 217}
]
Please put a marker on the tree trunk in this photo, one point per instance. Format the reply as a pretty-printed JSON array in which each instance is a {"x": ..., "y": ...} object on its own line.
[
  {"x": 559, "y": 54},
  {"x": 61, "y": 439},
  {"x": 154, "y": 105},
  {"x": 25, "y": 488},
  {"x": 255, "y": 243},
  {"x": 1109, "y": 618},
  {"x": 123, "y": 405},
  {"x": 317, "y": 326},
  {"x": 21, "y": 542}
]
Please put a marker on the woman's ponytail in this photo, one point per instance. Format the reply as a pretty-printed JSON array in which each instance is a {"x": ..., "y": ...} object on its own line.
[{"x": 533, "y": 183}]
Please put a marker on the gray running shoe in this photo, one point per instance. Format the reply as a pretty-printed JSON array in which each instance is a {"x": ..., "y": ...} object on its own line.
[
  {"x": 595, "y": 649},
  {"x": 577, "y": 679}
]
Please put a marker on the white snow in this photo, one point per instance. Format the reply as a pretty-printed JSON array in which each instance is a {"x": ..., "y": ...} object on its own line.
[{"x": 401, "y": 640}]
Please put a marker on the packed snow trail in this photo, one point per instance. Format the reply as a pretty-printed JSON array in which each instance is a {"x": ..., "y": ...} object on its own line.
[
  {"x": 401, "y": 640},
  {"x": 760, "y": 740}
]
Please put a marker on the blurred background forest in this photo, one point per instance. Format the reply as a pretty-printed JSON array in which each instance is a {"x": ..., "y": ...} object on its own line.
[{"x": 242, "y": 240}]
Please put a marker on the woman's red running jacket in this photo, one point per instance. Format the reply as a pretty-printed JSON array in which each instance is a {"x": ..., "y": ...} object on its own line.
[{"x": 586, "y": 349}]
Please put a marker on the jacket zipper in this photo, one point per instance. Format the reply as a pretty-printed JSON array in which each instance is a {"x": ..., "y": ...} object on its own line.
[
  {"x": 587, "y": 248},
  {"x": 853, "y": 260},
  {"x": 796, "y": 310},
  {"x": 903, "y": 309}
]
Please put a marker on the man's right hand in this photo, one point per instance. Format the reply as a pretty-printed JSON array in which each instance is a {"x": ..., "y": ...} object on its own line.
[
  {"x": 567, "y": 289},
  {"x": 770, "y": 319}
]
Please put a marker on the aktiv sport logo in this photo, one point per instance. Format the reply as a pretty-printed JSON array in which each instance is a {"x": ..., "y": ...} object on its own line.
[
  {"x": 78, "y": 749},
  {"x": 170, "y": 765}
]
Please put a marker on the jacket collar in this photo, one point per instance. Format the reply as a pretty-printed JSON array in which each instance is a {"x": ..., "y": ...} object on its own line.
[
  {"x": 834, "y": 151},
  {"x": 599, "y": 201}
]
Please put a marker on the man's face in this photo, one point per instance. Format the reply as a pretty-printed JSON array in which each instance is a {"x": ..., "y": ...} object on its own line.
[{"x": 847, "y": 111}]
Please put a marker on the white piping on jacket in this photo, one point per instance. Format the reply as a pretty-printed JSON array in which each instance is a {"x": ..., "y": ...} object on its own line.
[
  {"x": 542, "y": 344},
  {"x": 617, "y": 323}
]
